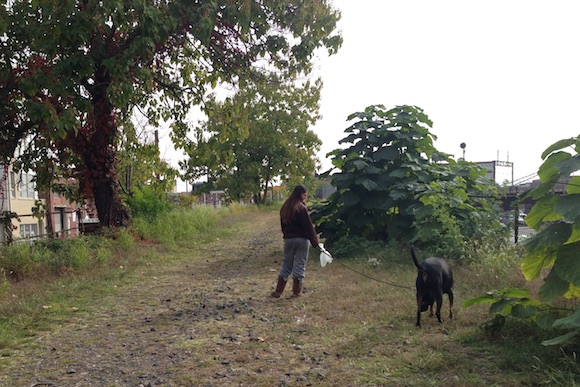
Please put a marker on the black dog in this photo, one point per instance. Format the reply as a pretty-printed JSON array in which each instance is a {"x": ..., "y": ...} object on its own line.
[{"x": 434, "y": 278}]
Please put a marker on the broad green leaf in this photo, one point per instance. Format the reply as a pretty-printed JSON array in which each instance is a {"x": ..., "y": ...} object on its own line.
[
  {"x": 515, "y": 293},
  {"x": 569, "y": 166},
  {"x": 569, "y": 207},
  {"x": 360, "y": 164},
  {"x": 553, "y": 236},
  {"x": 339, "y": 179},
  {"x": 423, "y": 212},
  {"x": 567, "y": 264},
  {"x": 573, "y": 186},
  {"x": 536, "y": 261},
  {"x": 561, "y": 340},
  {"x": 573, "y": 292},
  {"x": 545, "y": 320},
  {"x": 559, "y": 145},
  {"x": 502, "y": 306},
  {"x": 367, "y": 183},
  {"x": 549, "y": 174},
  {"x": 429, "y": 231},
  {"x": 553, "y": 287},
  {"x": 569, "y": 322},
  {"x": 371, "y": 204},
  {"x": 542, "y": 209},
  {"x": 396, "y": 194},
  {"x": 487, "y": 298},
  {"x": 387, "y": 153},
  {"x": 349, "y": 139},
  {"x": 386, "y": 205},
  {"x": 524, "y": 311},
  {"x": 575, "y": 236},
  {"x": 372, "y": 170},
  {"x": 399, "y": 173},
  {"x": 349, "y": 199},
  {"x": 548, "y": 169}
]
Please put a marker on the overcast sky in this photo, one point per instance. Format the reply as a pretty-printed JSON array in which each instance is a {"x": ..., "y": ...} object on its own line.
[{"x": 501, "y": 76}]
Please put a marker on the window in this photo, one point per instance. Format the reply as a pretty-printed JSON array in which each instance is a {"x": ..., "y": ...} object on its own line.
[
  {"x": 13, "y": 184},
  {"x": 26, "y": 186},
  {"x": 23, "y": 185},
  {"x": 28, "y": 231},
  {"x": 58, "y": 220}
]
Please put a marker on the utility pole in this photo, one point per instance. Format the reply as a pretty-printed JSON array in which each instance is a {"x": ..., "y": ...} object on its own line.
[{"x": 463, "y": 145}]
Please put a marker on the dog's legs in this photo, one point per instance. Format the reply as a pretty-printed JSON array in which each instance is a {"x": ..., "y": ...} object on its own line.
[
  {"x": 450, "y": 294},
  {"x": 419, "y": 301},
  {"x": 439, "y": 300},
  {"x": 431, "y": 311}
]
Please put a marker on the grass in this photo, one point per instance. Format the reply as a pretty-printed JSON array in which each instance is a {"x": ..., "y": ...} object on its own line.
[{"x": 351, "y": 327}]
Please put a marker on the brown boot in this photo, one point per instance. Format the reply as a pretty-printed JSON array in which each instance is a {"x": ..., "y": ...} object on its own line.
[
  {"x": 279, "y": 287},
  {"x": 296, "y": 287}
]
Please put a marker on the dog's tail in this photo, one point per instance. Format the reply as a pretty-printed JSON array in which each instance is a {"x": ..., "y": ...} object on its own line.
[{"x": 415, "y": 261}]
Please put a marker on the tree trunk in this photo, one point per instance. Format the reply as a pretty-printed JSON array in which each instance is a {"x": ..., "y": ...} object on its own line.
[
  {"x": 110, "y": 207},
  {"x": 102, "y": 162},
  {"x": 265, "y": 192},
  {"x": 96, "y": 143}
]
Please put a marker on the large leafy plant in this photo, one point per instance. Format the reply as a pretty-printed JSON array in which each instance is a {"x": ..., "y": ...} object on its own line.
[
  {"x": 378, "y": 174},
  {"x": 554, "y": 251},
  {"x": 457, "y": 206},
  {"x": 393, "y": 184},
  {"x": 556, "y": 246}
]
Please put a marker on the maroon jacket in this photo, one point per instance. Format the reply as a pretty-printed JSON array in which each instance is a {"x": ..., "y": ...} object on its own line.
[{"x": 300, "y": 227}]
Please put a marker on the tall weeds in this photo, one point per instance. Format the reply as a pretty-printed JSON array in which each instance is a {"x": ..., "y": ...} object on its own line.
[
  {"x": 45, "y": 258},
  {"x": 180, "y": 224}
]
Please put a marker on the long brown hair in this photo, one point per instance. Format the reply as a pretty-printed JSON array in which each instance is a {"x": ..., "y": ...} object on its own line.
[{"x": 292, "y": 204}]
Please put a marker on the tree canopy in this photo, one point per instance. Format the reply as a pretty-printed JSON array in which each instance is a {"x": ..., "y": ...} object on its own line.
[
  {"x": 71, "y": 73},
  {"x": 258, "y": 135}
]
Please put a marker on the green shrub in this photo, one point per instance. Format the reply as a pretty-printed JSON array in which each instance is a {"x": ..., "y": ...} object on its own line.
[
  {"x": 18, "y": 260},
  {"x": 180, "y": 224},
  {"x": 356, "y": 247},
  {"x": 25, "y": 260},
  {"x": 124, "y": 240},
  {"x": 494, "y": 261},
  {"x": 4, "y": 285},
  {"x": 146, "y": 203}
]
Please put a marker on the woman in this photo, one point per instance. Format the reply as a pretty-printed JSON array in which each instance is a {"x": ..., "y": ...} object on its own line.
[{"x": 299, "y": 234}]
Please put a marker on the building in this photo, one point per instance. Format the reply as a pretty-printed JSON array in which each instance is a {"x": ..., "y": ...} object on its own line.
[
  {"x": 18, "y": 201},
  {"x": 501, "y": 172},
  {"x": 215, "y": 198},
  {"x": 62, "y": 216}
]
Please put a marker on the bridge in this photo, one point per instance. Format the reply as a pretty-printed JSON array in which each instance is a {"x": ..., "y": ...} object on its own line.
[{"x": 525, "y": 184}]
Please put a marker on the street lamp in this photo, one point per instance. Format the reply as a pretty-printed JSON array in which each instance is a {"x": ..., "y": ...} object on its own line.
[{"x": 462, "y": 145}]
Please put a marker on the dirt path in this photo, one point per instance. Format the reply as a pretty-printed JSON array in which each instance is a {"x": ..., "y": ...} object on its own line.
[
  {"x": 202, "y": 316},
  {"x": 198, "y": 321}
]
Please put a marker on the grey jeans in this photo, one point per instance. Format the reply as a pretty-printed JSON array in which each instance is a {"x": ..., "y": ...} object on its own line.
[{"x": 295, "y": 258}]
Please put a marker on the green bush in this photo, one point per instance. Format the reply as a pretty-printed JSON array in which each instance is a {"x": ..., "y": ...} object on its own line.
[
  {"x": 146, "y": 203},
  {"x": 180, "y": 224},
  {"x": 25, "y": 260},
  {"x": 124, "y": 240},
  {"x": 356, "y": 247}
]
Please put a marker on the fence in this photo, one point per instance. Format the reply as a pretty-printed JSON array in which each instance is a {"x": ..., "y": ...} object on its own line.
[{"x": 28, "y": 234}]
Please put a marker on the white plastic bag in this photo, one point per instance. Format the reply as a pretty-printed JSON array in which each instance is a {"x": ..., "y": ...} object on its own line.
[{"x": 325, "y": 256}]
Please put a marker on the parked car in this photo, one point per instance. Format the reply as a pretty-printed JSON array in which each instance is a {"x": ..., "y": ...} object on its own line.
[{"x": 522, "y": 219}]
